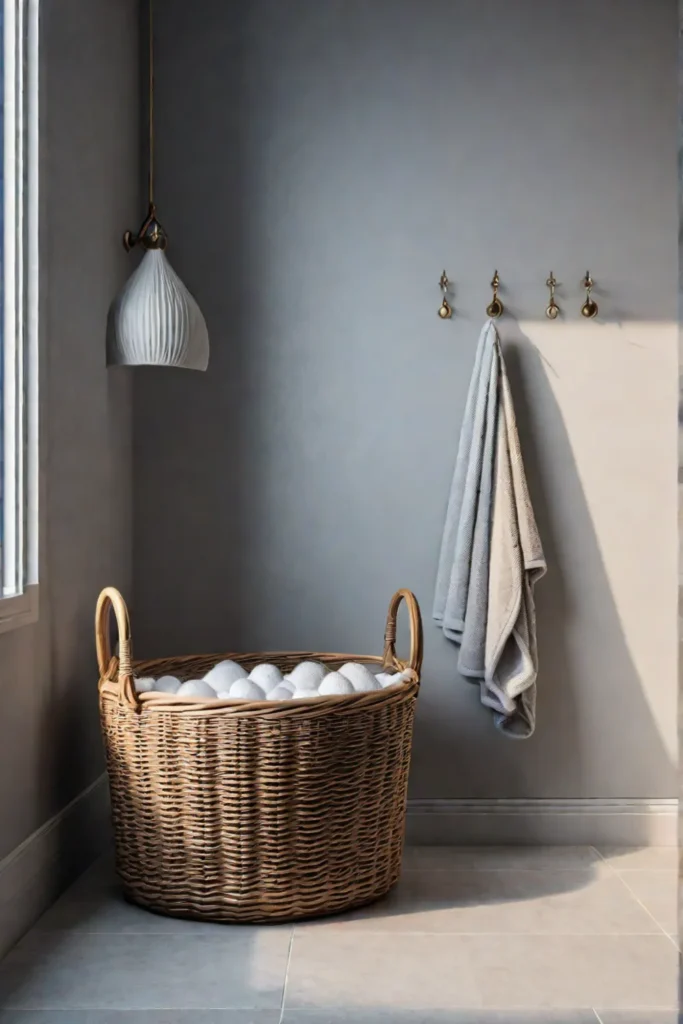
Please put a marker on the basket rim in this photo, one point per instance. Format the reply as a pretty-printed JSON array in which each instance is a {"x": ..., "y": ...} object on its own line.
[{"x": 117, "y": 674}]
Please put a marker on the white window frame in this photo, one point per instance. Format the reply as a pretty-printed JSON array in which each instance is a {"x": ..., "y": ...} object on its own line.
[{"x": 19, "y": 594}]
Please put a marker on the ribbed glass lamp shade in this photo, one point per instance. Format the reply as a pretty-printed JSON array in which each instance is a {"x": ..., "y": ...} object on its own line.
[{"x": 154, "y": 321}]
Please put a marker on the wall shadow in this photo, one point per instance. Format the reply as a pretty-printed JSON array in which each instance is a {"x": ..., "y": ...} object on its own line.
[{"x": 281, "y": 497}]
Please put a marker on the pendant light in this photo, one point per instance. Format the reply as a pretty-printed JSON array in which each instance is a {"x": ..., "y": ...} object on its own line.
[{"x": 154, "y": 321}]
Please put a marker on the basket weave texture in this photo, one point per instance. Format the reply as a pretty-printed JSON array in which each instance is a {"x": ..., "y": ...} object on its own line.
[{"x": 255, "y": 811}]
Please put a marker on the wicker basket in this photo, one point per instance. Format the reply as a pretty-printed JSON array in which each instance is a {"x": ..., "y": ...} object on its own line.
[{"x": 260, "y": 811}]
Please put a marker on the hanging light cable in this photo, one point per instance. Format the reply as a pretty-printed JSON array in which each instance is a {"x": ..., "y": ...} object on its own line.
[{"x": 154, "y": 321}]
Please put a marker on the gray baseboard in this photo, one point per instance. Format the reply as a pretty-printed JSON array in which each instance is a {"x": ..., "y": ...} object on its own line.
[
  {"x": 573, "y": 822},
  {"x": 37, "y": 871}
]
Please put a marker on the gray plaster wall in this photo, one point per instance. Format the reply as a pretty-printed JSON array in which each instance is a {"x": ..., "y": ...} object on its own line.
[
  {"x": 318, "y": 166},
  {"x": 50, "y": 746}
]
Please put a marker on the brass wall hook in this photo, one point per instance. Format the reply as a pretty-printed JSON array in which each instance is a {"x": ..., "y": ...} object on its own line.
[
  {"x": 495, "y": 307},
  {"x": 552, "y": 310},
  {"x": 445, "y": 309},
  {"x": 590, "y": 307}
]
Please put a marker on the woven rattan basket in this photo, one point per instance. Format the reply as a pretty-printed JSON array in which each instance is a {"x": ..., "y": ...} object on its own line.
[{"x": 263, "y": 811}]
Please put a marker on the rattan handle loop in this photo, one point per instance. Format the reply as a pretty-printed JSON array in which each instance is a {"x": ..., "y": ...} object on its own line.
[
  {"x": 415, "y": 659},
  {"x": 111, "y": 598}
]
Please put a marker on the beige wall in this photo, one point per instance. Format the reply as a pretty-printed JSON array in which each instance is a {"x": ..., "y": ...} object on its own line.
[
  {"x": 49, "y": 733},
  {"x": 315, "y": 178}
]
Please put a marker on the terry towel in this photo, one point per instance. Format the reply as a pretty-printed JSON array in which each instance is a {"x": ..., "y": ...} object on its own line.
[{"x": 491, "y": 553}]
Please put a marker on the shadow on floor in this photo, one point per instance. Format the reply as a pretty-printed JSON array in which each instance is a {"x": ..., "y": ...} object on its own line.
[
  {"x": 96, "y": 901},
  {"x": 354, "y": 1015},
  {"x": 92, "y": 949}
]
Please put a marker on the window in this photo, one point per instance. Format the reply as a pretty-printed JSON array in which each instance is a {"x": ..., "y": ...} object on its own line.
[{"x": 19, "y": 313}]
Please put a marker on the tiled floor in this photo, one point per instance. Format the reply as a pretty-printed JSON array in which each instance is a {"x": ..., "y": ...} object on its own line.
[{"x": 471, "y": 936}]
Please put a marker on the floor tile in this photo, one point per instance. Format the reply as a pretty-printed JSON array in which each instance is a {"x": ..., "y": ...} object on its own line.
[
  {"x": 498, "y": 858},
  {"x": 648, "y": 858},
  {"x": 239, "y": 968},
  {"x": 590, "y": 902},
  {"x": 372, "y": 972},
  {"x": 438, "y": 972},
  {"x": 638, "y": 1016},
  {"x": 658, "y": 892},
  {"x": 100, "y": 907},
  {"x": 568, "y": 971},
  {"x": 358, "y": 1015},
  {"x": 141, "y": 1017}
]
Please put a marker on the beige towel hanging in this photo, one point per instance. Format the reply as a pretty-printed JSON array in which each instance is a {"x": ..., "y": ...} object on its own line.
[
  {"x": 491, "y": 553},
  {"x": 516, "y": 563}
]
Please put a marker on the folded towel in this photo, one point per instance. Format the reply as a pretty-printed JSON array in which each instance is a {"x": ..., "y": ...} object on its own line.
[{"x": 491, "y": 554}]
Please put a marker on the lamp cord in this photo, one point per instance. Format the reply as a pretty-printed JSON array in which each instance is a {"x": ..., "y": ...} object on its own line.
[{"x": 151, "y": 106}]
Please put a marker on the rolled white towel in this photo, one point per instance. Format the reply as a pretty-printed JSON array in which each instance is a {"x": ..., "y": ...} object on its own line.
[
  {"x": 196, "y": 688},
  {"x": 224, "y": 674},
  {"x": 359, "y": 676},
  {"x": 167, "y": 684},
  {"x": 390, "y": 678},
  {"x": 280, "y": 693},
  {"x": 246, "y": 689},
  {"x": 266, "y": 676},
  {"x": 144, "y": 684},
  {"x": 308, "y": 675},
  {"x": 335, "y": 683}
]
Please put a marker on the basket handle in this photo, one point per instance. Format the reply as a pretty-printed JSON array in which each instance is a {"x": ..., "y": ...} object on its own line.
[
  {"x": 415, "y": 659},
  {"x": 111, "y": 598}
]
